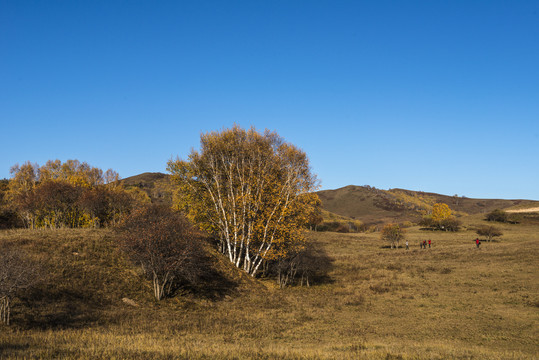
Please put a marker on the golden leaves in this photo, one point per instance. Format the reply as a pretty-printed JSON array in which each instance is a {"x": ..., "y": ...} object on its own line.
[
  {"x": 440, "y": 211},
  {"x": 251, "y": 190}
]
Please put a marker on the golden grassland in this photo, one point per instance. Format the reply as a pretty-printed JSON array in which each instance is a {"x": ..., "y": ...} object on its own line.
[{"x": 450, "y": 301}]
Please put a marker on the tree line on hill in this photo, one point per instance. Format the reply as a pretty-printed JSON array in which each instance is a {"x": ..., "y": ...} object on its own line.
[{"x": 65, "y": 195}]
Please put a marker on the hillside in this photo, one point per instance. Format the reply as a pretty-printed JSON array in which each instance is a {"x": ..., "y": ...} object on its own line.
[
  {"x": 365, "y": 203},
  {"x": 451, "y": 301},
  {"x": 372, "y": 205}
]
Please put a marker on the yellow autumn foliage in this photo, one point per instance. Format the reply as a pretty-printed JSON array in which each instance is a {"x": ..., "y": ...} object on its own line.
[
  {"x": 251, "y": 190},
  {"x": 440, "y": 211}
]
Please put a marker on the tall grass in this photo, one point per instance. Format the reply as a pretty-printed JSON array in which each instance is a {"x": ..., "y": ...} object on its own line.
[{"x": 450, "y": 301}]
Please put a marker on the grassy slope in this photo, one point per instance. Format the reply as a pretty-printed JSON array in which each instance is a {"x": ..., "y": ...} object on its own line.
[
  {"x": 359, "y": 202},
  {"x": 451, "y": 301},
  {"x": 371, "y": 205},
  {"x": 368, "y": 204}
]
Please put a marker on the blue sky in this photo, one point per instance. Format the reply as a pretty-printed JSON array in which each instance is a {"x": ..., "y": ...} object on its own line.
[{"x": 439, "y": 96}]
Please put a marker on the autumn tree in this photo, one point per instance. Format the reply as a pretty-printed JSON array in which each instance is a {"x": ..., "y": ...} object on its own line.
[
  {"x": 314, "y": 221},
  {"x": 315, "y": 217},
  {"x": 105, "y": 206},
  {"x": 24, "y": 178},
  {"x": 164, "y": 244},
  {"x": 489, "y": 231},
  {"x": 392, "y": 233},
  {"x": 440, "y": 211},
  {"x": 55, "y": 204},
  {"x": 8, "y": 217},
  {"x": 70, "y": 194},
  {"x": 77, "y": 173},
  {"x": 17, "y": 273},
  {"x": 21, "y": 185},
  {"x": 441, "y": 218},
  {"x": 4, "y": 186},
  {"x": 251, "y": 191}
]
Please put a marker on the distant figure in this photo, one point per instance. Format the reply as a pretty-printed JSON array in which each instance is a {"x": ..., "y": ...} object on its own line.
[
  {"x": 477, "y": 242},
  {"x": 429, "y": 243},
  {"x": 420, "y": 244},
  {"x": 407, "y": 245},
  {"x": 424, "y": 244}
]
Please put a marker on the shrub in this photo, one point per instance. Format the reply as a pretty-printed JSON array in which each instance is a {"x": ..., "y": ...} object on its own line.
[
  {"x": 165, "y": 245},
  {"x": 489, "y": 231},
  {"x": 427, "y": 222},
  {"x": 497, "y": 215},
  {"x": 407, "y": 224},
  {"x": 450, "y": 224}
]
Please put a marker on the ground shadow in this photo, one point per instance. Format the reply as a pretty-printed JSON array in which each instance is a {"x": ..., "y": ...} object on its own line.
[
  {"x": 43, "y": 309},
  {"x": 211, "y": 284},
  {"x": 394, "y": 247},
  {"x": 5, "y": 349}
]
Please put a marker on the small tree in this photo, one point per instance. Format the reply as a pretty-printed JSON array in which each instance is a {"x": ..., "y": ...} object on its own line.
[
  {"x": 166, "y": 246},
  {"x": 392, "y": 233},
  {"x": 440, "y": 212},
  {"x": 17, "y": 273},
  {"x": 441, "y": 219},
  {"x": 489, "y": 231}
]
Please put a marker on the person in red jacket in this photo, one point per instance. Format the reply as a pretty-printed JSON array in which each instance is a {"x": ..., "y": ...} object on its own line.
[
  {"x": 477, "y": 242},
  {"x": 429, "y": 243}
]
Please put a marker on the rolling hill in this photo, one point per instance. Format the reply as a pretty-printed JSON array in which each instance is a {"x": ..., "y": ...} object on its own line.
[
  {"x": 372, "y": 205},
  {"x": 365, "y": 203}
]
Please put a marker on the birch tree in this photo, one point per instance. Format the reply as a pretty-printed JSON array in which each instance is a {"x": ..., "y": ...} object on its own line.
[{"x": 251, "y": 191}]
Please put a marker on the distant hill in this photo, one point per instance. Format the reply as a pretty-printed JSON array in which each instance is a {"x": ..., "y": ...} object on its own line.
[
  {"x": 156, "y": 185},
  {"x": 146, "y": 179},
  {"x": 365, "y": 203},
  {"x": 371, "y": 205}
]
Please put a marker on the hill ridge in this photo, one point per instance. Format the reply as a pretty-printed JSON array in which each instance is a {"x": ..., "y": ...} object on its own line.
[
  {"x": 361, "y": 202},
  {"x": 369, "y": 204}
]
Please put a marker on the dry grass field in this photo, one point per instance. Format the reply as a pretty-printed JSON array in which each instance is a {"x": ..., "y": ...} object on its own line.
[{"x": 452, "y": 301}]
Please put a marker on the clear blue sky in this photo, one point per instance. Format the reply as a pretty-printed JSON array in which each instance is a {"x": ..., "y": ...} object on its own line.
[{"x": 438, "y": 96}]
